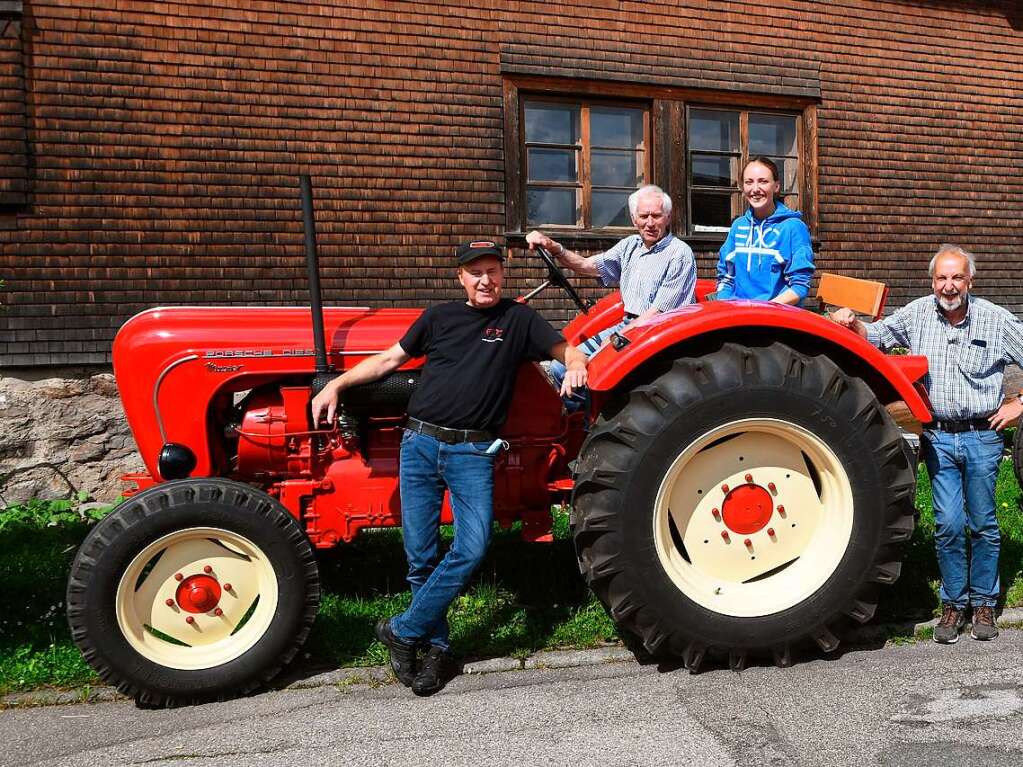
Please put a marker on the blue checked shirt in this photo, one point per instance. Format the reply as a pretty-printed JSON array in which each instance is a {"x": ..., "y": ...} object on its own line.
[
  {"x": 663, "y": 276},
  {"x": 965, "y": 361}
]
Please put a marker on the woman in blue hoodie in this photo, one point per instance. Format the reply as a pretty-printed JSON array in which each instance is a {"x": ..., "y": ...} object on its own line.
[{"x": 768, "y": 255}]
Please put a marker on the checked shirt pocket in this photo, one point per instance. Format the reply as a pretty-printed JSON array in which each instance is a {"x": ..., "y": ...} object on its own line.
[{"x": 977, "y": 360}]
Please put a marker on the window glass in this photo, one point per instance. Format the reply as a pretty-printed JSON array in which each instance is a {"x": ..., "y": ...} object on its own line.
[
  {"x": 582, "y": 160},
  {"x": 552, "y": 164},
  {"x": 615, "y": 168},
  {"x": 611, "y": 209},
  {"x": 772, "y": 134},
  {"x": 711, "y": 211},
  {"x": 616, "y": 127},
  {"x": 552, "y": 206},
  {"x": 720, "y": 143},
  {"x": 788, "y": 173},
  {"x": 714, "y": 170},
  {"x": 552, "y": 123},
  {"x": 714, "y": 130}
]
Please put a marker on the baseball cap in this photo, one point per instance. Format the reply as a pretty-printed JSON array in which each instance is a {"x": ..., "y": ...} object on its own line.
[{"x": 470, "y": 251}]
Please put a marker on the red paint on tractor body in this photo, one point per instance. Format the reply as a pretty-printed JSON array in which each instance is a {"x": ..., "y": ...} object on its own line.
[{"x": 232, "y": 384}]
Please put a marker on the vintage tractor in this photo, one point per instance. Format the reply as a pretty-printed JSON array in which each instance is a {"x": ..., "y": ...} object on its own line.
[{"x": 740, "y": 490}]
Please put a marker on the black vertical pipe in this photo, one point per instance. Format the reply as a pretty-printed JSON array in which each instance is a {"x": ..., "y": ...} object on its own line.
[{"x": 313, "y": 268}]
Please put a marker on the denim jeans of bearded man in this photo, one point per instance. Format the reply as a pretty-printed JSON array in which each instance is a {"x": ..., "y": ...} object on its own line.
[
  {"x": 428, "y": 467},
  {"x": 589, "y": 347},
  {"x": 963, "y": 468}
]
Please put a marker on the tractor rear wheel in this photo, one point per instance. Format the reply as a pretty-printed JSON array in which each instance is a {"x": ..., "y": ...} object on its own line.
[
  {"x": 743, "y": 503},
  {"x": 192, "y": 591}
]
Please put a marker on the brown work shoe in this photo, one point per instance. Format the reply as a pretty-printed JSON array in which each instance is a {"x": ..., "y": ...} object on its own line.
[
  {"x": 947, "y": 630},
  {"x": 984, "y": 627}
]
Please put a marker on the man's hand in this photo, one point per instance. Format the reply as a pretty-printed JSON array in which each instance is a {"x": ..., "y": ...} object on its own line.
[
  {"x": 844, "y": 317},
  {"x": 575, "y": 368},
  {"x": 537, "y": 239},
  {"x": 847, "y": 319},
  {"x": 1006, "y": 414},
  {"x": 370, "y": 369},
  {"x": 575, "y": 378},
  {"x": 326, "y": 402}
]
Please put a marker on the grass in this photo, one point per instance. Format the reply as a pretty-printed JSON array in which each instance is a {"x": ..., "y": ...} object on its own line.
[{"x": 526, "y": 597}]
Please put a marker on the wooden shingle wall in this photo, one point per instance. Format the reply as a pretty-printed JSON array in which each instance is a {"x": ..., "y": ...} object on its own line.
[
  {"x": 166, "y": 140},
  {"x": 13, "y": 148}
]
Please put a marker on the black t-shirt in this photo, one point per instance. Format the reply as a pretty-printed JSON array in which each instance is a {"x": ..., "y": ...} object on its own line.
[{"x": 472, "y": 356}]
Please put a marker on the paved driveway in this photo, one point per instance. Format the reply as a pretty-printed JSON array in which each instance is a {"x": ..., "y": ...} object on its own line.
[{"x": 917, "y": 705}]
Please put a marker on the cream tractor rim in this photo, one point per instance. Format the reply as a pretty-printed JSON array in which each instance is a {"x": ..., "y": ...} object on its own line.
[
  {"x": 785, "y": 561},
  {"x": 151, "y": 608}
]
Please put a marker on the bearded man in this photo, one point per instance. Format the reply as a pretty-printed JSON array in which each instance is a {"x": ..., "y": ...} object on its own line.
[{"x": 967, "y": 342}]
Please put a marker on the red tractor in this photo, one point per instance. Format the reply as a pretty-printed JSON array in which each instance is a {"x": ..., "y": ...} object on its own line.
[{"x": 741, "y": 488}]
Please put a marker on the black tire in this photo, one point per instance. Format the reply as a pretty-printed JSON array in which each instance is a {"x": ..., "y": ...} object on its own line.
[
  {"x": 179, "y": 527},
  {"x": 630, "y": 533}
]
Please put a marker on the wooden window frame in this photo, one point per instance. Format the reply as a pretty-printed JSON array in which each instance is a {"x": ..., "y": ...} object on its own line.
[
  {"x": 667, "y": 141},
  {"x": 743, "y": 155},
  {"x": 585, "y": 148}
]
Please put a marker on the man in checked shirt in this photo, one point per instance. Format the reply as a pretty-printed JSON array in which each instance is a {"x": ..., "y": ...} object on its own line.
[
  {"x": 655, "y": 271},
  {"x": 967, "y": 342}
]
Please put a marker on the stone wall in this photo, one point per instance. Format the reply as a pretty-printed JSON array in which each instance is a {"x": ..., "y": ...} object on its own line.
[{"x": 62, "y": 436}]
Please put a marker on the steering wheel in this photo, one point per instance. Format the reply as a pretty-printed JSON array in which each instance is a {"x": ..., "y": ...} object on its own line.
[{"x": 556, "y": 277}]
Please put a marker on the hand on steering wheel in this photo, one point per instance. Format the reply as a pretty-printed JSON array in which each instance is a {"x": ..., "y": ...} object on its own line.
[{"x": 556, "y": 277}]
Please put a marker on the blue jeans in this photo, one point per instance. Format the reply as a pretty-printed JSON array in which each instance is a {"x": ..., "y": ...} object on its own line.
[
  {"x": 589, "y": 347},
  {"x": 964, "y": 467},
  {"x": 428, "y": 467}
]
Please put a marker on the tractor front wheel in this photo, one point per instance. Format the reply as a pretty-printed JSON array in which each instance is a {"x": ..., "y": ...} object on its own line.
[
  {"x": 741, "y": 503},
  {"x": 191, "y": 591}
]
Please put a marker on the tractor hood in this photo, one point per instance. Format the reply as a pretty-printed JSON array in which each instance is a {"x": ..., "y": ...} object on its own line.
[{"x": 170, "y": 363}]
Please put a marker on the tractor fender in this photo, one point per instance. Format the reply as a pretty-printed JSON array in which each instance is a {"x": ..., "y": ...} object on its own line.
[{"x": 662, "y": 332}]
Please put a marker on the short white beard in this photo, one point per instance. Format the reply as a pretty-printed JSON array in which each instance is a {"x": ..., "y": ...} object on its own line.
[{"x": 950, "y": 304}]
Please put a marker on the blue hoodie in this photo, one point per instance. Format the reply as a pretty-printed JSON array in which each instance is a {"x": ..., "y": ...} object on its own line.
[{"x": 761, "y": 258}]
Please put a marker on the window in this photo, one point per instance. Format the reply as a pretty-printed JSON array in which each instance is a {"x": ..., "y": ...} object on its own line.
[
  {"x": 582, "y": 161},
  {"x": 720, "y": 143}
]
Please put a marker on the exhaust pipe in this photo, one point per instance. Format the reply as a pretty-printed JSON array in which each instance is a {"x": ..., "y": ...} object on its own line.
[{"x": 324, "y": 372}]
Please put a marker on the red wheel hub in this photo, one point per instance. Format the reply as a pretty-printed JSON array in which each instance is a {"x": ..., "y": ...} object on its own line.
[
  {"x": 747, "y": 509},
  {"x": 198, "y": 594}
]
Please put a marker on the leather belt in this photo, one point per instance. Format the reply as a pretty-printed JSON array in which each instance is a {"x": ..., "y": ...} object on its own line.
[
  {"x": 446, "y": 435},
  {"x": 956, "y": 427}
]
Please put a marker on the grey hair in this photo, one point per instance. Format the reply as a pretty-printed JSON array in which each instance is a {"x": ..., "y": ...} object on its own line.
[
  {"x": 643, "y": 191},
  {"x": 955, "y": 250}
]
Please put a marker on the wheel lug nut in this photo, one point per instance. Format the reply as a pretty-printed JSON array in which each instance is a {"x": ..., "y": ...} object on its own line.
[
  {"x": 749, "y": 478},
  {"x": 724, "y": 488},
  {"x": 781, "y": 510},
  {"x": 749, "y": 543},
  {"x": 227, "y": 587},
  {"x": 207, "y": 569},
  {"x": 724, "y": 536},
  {"x": 169, "y": 602},
  {"x": 770, "y": 531},
  {"x": 179, "y": 577},
  {"x": 218, "y": 612},
  {"x": 716, "y": 513},
  {"x": 771, "y": 487},
  {"x": 189, "y": 620}
]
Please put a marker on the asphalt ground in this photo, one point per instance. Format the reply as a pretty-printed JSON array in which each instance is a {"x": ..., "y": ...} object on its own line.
[{"x": 898, "y": 704}]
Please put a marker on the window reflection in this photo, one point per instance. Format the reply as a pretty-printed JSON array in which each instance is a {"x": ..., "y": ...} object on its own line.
[
  {"x": 616, "y": 127},
  {"x": 552, "y": 123},
  {"x": 551, "y": 206},
  {"x": 611, "y": 209}
]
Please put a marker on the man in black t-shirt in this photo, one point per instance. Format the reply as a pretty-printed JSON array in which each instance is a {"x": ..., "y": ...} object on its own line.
[{"x": 473, "y": 350}]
